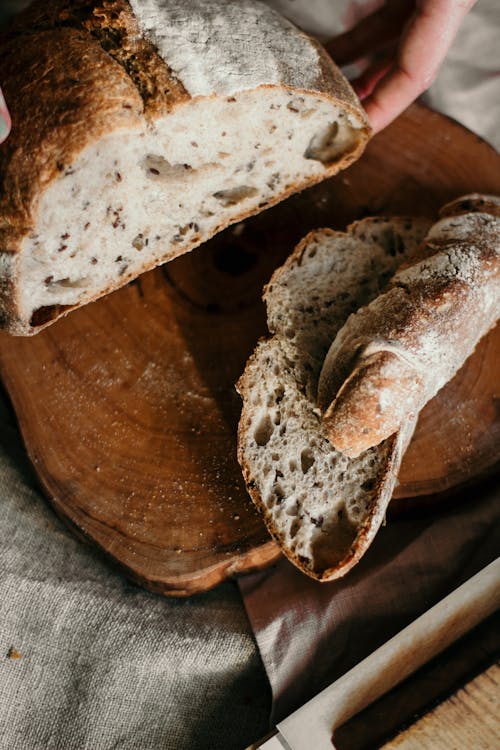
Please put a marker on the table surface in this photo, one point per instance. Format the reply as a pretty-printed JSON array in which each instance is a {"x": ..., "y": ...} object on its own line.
[
  {"x": 452, "y": 702},
  {"x": 470, "y": 718}
]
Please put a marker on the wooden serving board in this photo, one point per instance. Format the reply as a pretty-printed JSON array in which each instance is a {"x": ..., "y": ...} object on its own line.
[{"x": 128, "y": 408}]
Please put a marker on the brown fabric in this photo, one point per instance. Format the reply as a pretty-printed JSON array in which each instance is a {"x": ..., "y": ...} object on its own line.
[{"x": 309, "y": 634}]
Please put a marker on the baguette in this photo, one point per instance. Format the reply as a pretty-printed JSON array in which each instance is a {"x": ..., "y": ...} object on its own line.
[
  {"x": 142, "y": 128},
  {"x": 394, "y": 355},
  {"x": 323, "y": 508}
]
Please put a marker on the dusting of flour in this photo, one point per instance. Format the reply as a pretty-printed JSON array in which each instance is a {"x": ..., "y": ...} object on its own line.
[{"x": 221, "y": 47}]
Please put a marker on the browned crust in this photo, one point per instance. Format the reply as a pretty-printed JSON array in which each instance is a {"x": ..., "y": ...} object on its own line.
[
  {"x": 54, "y": 115},
  {"x": 112, "y": 25},
  {"x": 53, "y": 112},
  {"x": 71, "y": 73},
  {"x": 74, "y": 72},
  {"x": 355, "y": 405},
  {"x": 347, "y": 399}
]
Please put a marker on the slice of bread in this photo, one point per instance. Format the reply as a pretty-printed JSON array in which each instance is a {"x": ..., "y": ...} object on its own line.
[
  {"x": 142, "y": 128},
  {"x": 323, "y": 508}
]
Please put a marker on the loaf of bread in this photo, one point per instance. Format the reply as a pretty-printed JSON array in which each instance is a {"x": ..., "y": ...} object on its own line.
[
  {"x": 143, "y": 127},
  {"x": 323, "y": 508},
  {"x": 393, "y": 355}
]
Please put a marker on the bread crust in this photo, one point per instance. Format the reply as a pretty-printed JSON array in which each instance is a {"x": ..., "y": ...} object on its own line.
[
  {"x": 73, "y": 72},
  {"x": 357, "y": 416},
  {"x": 474, "y": 202},
  {"x": 394, "y": 355}
]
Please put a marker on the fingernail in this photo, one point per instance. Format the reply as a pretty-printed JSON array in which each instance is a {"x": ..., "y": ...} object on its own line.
[
  {"x": 4, "y": 129},
  {"x": 4, "y": 118}
]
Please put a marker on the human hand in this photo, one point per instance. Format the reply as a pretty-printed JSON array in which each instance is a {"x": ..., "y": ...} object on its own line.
[
  {"x": 4, "y": 119},
  {"x": 411, "y": 39}
]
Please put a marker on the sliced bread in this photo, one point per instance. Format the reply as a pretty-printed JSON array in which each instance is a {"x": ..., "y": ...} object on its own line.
[
  {"x": 323, "y": 508},
  {"x": 142, "y": 128}
]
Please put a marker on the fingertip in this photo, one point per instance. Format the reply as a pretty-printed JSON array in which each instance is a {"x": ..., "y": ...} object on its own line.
[
  {"x": 366, "y": 83},
  {"x": 377, "y": 116}
]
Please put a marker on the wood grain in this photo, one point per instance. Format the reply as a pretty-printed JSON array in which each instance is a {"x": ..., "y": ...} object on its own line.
[
  {"x": 458, "y": 433},
  {"x": 468, "y": 719},
  {"x": 128, "y": 408}
]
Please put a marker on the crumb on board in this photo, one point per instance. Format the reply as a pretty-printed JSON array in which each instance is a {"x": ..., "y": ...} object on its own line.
[{"x": 13, "y": 653}]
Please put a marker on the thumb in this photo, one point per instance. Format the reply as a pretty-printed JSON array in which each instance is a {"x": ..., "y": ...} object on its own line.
[{"x": 5, "y": 122}]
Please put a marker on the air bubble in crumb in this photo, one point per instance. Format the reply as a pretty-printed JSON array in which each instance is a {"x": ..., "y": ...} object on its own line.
[
  {"x": 263, "y": 431},
  {"x": 306, "y": 460}
]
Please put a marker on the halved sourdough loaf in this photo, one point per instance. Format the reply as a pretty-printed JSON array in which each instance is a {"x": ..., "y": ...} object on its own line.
[
  {"x": 142, "y": 128},
  {"x": 323, "y": 508}
]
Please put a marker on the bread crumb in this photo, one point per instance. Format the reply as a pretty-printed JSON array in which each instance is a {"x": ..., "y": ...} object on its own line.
[{"x": 13, "y": 653}]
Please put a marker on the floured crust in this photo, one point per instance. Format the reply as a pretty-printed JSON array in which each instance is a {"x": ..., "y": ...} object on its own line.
[
  {"x": 358, "y": 416},
  {"x": 72, "y": 72},
  {"x": 393, "y": 356}
]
